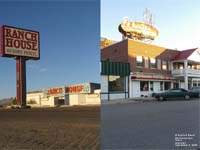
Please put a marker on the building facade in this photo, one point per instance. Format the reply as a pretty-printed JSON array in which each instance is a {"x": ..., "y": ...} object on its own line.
[
  {"x": 152, "y": 68},
  {"x": 80, "y": 94}
]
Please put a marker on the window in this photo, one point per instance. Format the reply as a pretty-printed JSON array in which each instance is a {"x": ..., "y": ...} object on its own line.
[
  {"x": 180, "y": 66},
  {"x": 193, "y": 67},
  {"x": 139, "y": 61},
  {"x": 152, "y": 62},
  {"x": 116, "y": 84},
  {"x": 164, "y": 65},
  {"x": 167, "y": 85},
  {"x": 151, "y": 86},
  {"x": 144, "y": 86}
]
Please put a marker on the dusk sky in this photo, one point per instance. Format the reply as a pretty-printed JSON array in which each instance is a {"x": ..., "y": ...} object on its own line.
[
  {"x": 177, "y": 21},
  {"x": 69, "y": 43}
]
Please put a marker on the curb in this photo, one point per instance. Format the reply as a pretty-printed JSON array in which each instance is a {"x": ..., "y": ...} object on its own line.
[{"x": 125, "y": 101}]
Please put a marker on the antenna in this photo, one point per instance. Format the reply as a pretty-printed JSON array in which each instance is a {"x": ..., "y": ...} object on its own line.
[{"x": 148, "y": 17}]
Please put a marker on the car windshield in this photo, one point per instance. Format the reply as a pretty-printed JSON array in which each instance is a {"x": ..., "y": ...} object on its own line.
[
  {"x": 177, "y": 90},
  {"x": 195, "y": 89}
]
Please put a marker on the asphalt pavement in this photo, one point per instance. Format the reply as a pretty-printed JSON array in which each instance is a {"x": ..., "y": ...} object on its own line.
[{"x": 139, "y": 125}]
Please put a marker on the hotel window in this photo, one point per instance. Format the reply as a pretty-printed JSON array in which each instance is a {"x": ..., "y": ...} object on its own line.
[
  {"x": 117, "y": 84},
  {"x": 180, "y": 66},
  {"x": 152, "y": 62},
  {"x": 139, "y": 61},
  {"x": 144, "y": 86},
  {"x": 193, "y": 67},
  {"x": 164, "y": 65}
]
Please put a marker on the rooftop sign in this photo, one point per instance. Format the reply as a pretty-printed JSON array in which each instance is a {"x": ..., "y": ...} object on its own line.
[{"x": 138, "y": 30}]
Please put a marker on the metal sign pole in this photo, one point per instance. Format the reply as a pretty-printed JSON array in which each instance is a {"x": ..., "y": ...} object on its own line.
[{"x": 21, "y": 81}]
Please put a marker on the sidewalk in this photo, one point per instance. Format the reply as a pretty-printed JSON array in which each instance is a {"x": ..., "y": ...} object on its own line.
[{"x": 128, "y": 100}]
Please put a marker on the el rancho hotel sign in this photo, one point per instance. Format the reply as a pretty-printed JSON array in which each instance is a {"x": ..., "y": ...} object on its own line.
[{"x": 19, "y": 42}]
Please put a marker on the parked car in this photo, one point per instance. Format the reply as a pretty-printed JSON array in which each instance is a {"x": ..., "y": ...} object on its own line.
[
  {"x": 176, "y": 93},
  {"x": 195, "y": 90}
]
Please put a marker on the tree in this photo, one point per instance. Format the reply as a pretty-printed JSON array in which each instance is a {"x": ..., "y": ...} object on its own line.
[{"x": 14, "y": 101}]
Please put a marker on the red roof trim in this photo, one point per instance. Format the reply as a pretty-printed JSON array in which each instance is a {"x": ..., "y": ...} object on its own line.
[
  {"x": 184, "y": 54},
  {"x": 152, "y": 79}
]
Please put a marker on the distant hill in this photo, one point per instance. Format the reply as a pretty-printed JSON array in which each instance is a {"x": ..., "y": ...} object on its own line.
[{"x": 6, "y": 101}]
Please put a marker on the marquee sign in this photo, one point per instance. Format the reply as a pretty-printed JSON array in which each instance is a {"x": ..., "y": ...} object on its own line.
[
  {"x": 82, "y": 88},
  {"x": 138, "y": 30},
  {"x": 54, "y": 91},
  {"x": 59, "y": 91},
  {"x": 19, "y": 42}
]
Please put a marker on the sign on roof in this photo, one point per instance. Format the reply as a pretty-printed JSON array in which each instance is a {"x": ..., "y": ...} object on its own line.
[{"x": 138, "y": 30}]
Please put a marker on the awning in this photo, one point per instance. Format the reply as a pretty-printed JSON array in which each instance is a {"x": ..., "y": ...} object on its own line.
[{"x": 115, "y": 68}]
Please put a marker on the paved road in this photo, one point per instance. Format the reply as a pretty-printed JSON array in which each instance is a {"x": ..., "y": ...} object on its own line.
[{"x": 150, "y": 125}]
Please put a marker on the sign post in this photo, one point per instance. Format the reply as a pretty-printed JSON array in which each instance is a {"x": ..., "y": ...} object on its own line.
[
  {"x": 21, "y": 81},
  {"x": 21, "y": 44}
]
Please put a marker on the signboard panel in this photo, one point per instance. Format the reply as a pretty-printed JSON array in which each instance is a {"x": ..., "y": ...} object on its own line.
[
  {"x": 84, "y": 88},
  {"x": 19, "y": 42},
  {"x": 55, "y": 91},
  {"x": 81, "y": 88}
]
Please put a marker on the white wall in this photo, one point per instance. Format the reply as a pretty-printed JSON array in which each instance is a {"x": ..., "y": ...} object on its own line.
[
  {"x": 182, "y": 85},
  {"x": 195, "y": 56},
  {"x": 104, "y": 84},
  {"x": 48, "y": 101},
  {"x": 117, "y": 96},
  {"x": 84, "y": 99},
  {"x": 73, "y": 99},
  {"x": 93, "y": 99},
  {"x": 156, "y": 87},
  {"x": 135, "y": 89},
  {"x": 34, "y": 97}
]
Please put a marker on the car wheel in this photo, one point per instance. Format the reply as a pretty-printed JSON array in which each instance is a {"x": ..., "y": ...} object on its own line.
[
  {"x": 187, "y": 97},
  {"x": 161, "y": 98}
]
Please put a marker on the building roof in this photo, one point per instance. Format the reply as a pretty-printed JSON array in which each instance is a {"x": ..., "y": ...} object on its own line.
[
  {"x": 32, "y": 92},
  {"x": 184, "y": 54}
]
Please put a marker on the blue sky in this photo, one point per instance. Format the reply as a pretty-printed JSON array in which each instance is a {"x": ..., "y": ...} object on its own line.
[
  {"x": 177, "y": 21},
  {"x": 69, "y": 43}
]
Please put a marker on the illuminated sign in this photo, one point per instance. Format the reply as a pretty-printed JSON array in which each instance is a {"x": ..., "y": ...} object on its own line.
[
  {"x": 138, "y": 30},
  {"x": 19, "y": 42}
]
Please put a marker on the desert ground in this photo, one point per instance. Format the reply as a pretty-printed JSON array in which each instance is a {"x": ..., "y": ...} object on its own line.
[{"x": 67, "y": 128}]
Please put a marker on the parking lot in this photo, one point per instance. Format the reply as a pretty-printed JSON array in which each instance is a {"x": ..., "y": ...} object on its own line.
[{"x": 150, "y": 124}]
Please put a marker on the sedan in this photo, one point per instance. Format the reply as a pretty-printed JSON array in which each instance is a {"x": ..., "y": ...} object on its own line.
[{"x": 176, "y": 93}]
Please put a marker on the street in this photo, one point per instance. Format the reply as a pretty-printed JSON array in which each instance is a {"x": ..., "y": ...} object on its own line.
[{"x": 151, "y": 125}]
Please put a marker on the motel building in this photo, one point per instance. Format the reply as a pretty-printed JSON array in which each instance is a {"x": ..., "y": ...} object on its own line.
[
  {"x": 80, "y": 94},
  {"x": 131, "y": 69}
]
